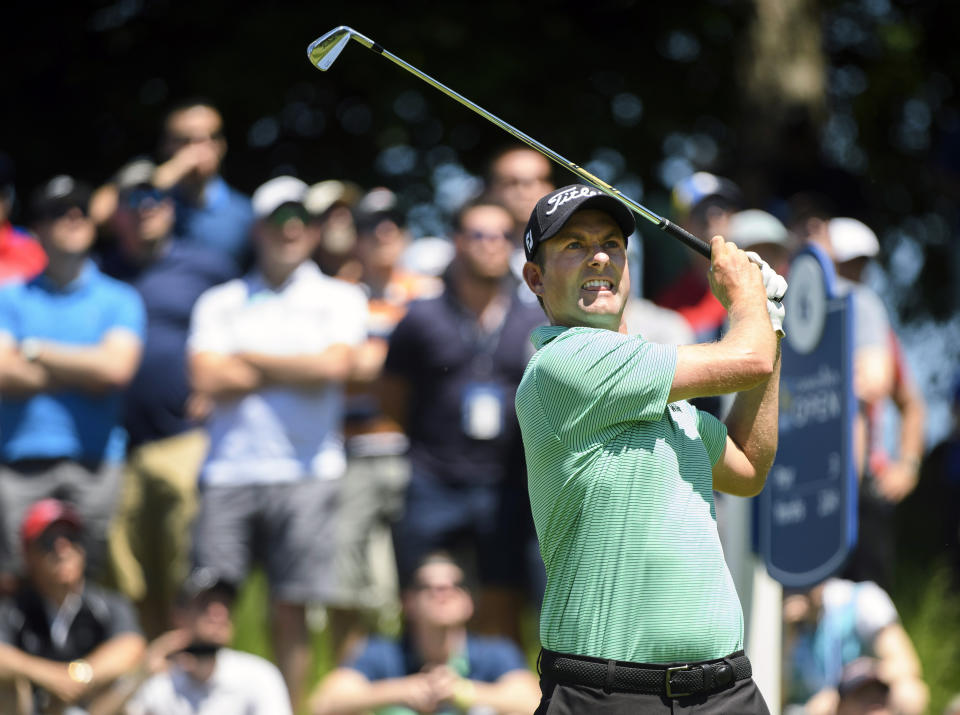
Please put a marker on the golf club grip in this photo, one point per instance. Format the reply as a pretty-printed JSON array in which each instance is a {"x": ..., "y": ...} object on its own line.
[{"x": 697, "y": 244}]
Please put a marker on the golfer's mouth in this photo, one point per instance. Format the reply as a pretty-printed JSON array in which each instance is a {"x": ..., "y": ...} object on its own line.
[{"x": 596, "y": 285}]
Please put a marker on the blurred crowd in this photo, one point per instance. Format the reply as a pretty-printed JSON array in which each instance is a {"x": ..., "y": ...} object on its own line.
[{"x": 195, "y": 383}]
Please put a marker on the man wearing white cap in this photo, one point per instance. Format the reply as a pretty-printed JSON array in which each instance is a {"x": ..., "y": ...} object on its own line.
[
  {"x": 272, "y": 351},
  {"x": 880, "y": 372}
]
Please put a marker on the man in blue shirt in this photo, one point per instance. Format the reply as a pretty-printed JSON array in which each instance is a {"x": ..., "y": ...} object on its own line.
[
  {"x": 209, "y": 211},
  {"x": 70, "y": 342},
  {"x": 149, "y": 542},
  {"x": 437, "y": 666}
]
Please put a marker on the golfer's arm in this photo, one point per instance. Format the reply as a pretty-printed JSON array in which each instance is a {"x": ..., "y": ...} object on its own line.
[
  {"x": 751, "y": 438},
  {"x": 742, "y": 360},
  {"x": 346, "y": 691},
  {"x": 314, "y": 370}
]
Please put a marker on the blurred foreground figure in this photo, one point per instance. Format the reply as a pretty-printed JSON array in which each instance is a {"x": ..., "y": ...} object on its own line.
[
  {"x": 70, "y": 343},
  {"x": 64, "y": 643},
  {"x": 209, "y": 211},
  {"x": 437, "y": 666},
  {"x": 150, "y": 536},
  {"x": 272, "y": 350},
  {"x": 193, "y": 672},
  {"x": 832, "y": 625}
]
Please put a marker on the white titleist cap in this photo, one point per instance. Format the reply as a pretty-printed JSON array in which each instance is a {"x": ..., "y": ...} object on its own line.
[
  {"x": 851, "y": 239},
  {"x": 277, "y": 192}
]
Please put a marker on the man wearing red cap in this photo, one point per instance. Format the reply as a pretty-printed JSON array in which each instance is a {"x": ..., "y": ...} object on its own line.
[{"x": 62, "y": 641}]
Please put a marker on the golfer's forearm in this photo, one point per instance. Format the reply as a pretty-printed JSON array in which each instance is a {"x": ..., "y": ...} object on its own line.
[{"x": 752, "y": 421}]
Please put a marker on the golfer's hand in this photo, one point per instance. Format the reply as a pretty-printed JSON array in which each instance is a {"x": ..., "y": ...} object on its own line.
[
  {"x": 776, "y": 287},
  {"x": 734, "y": 280}
]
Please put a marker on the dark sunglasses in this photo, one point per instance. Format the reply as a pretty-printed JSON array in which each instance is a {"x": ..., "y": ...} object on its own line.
[
  {"x": 144, "y": 196},
  {"x": 48, "y": 539}
]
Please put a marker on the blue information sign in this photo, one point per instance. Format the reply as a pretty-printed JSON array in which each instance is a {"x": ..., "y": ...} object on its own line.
[{"x": 808, "y": 510}]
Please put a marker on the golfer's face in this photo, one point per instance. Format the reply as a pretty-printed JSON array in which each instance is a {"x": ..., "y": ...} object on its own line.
[{"x": 585, "y": 279}]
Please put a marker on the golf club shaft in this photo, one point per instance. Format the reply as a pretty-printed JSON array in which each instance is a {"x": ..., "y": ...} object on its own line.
[{"x": 664, "y": 224}]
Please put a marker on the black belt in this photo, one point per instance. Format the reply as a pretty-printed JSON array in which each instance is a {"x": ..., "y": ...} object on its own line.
[{"x": 673, "y": 680}]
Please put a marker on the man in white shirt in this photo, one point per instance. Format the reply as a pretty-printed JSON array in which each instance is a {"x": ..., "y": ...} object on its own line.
[
  {"x": 197, "y": 673},
  {"x": 272, "y": 351}
]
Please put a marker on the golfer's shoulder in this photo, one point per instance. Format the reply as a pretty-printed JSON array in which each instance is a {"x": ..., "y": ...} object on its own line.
[{"x": 568, "y": 353}]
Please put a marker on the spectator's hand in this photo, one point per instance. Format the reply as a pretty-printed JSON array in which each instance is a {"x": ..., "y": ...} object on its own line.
[
  {"x": 823, "y": 703},
  {"x": 55, "y": 679},
  {"x": 417, "y": 692},
  {"x": 897, "y": 480},
  {"x": 796, "y": 608},
  {"x": 444, "y": 682},
  {"x": 199, "y": 406},
  {"x": 776, "y": 287},
  {"x": 156, "y": 657}
]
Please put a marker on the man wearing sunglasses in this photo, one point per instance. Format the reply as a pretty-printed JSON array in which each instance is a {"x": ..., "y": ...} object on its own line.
[
  {"x": 272, "y": 350},
  {"x": 149, "y": 539},
  {"x": 63, "y": 641},
  {"x": 70, "y": 342}
]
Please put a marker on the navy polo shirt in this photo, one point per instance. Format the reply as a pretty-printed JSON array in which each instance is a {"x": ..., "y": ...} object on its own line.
[
  {"x": 221, "y": 222},
  {"x": 438, "y": 351},
  {"x": 67, "y": 423},
  {"x": 486, "y": 659},
  {"x": 169, "y": 285}
]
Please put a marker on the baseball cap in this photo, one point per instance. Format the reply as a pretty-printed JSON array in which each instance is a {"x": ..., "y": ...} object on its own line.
[
  {"x": 134, "y": 174},
  {"x": 275, "y": 193},
  {"x": 323, "y": 195},
  {"x": 375, "y": 206},
  {"x": 851, "y": 239},
  {"x": 57, "y": 196},
  {"x": 44, "y": 513},
  {"x": 694, "y": 190},
  {"x": 753, "y": 226},
  {"x": 554, "y": 210}
]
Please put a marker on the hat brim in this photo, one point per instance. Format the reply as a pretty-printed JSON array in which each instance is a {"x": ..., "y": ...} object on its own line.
[{"x": 616, "y": 209}]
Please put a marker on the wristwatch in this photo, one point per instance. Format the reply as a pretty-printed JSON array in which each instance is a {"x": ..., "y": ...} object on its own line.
[
  {"x": 30, "y": 348},
  {"x": 80, "y": 671}
]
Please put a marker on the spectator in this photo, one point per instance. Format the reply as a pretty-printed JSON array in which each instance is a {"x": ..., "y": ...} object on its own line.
[
  {"x": 763, "y": 233},
  {"x": 193, "y": 670},
  {"x": 377, "y": 466},
  {"x": 518, "y": 176},
  {"x": 703, "y": 204},
  {"x": 149, "y": 540},
  {"x": 272, "y": 350},
  {"x": 329, "y": 204},
  {"x": 437, "y": 666},
  {"x": 451, "y": 374},
  {"x": 63, "y": 641},
  {"x": 832, "y": 625},
  {"x": 208, "y": 210},
  {"x": 70, "y": 342},
  {"x": 21, "y": 258}
]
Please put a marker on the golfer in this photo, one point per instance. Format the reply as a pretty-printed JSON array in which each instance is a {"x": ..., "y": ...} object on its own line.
[{"x": 640, "y": 613}]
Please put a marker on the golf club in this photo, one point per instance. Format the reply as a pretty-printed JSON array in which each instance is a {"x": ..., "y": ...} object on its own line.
[{"x": 325, "y": 50}]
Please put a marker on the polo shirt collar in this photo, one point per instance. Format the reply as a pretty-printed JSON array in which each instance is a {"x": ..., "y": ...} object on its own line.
[
  {"x": 307, "y": 270},
  {"x": 87, "y": 274},
  {"x": 545, "y": 333}
]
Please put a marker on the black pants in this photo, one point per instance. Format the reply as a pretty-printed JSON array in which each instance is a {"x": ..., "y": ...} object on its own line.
[{"x": 741, "y": 698}]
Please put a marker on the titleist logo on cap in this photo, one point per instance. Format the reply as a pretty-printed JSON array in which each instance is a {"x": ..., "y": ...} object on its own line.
[{"x": 559, "y": 199}]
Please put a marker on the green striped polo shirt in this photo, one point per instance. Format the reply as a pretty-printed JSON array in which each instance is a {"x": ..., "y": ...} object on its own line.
[{"x": 621, "y": 489}]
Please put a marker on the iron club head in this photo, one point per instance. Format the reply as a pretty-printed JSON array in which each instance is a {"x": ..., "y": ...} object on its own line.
[{"x": 324, "y": 50}]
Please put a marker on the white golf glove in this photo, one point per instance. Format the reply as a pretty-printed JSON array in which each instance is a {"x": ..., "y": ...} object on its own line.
[{"x": 776, "y": 287}]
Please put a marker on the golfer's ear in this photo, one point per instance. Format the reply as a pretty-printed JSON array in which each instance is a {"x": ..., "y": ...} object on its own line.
[{"x": 533, "y": 277}]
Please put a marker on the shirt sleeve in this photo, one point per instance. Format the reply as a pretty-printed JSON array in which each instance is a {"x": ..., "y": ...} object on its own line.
[
  {"x": 403, "y": 352},
  {"x": 871, "y": 323},
  {"x": 128, "y": 312},
  {"x": 492, "y": 658},
  {"x": 592, "y": 380},
  {"x": 122, "y": 617},
  {"x": 209, "y": 331},
  {"x": 713, "y": 433},
  {"x": 271, "y": 696},
  {"x": 371, "y": 660}
]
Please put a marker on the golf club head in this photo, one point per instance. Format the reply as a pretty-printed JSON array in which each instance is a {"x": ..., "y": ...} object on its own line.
[{"x": 324, "y": 51}]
